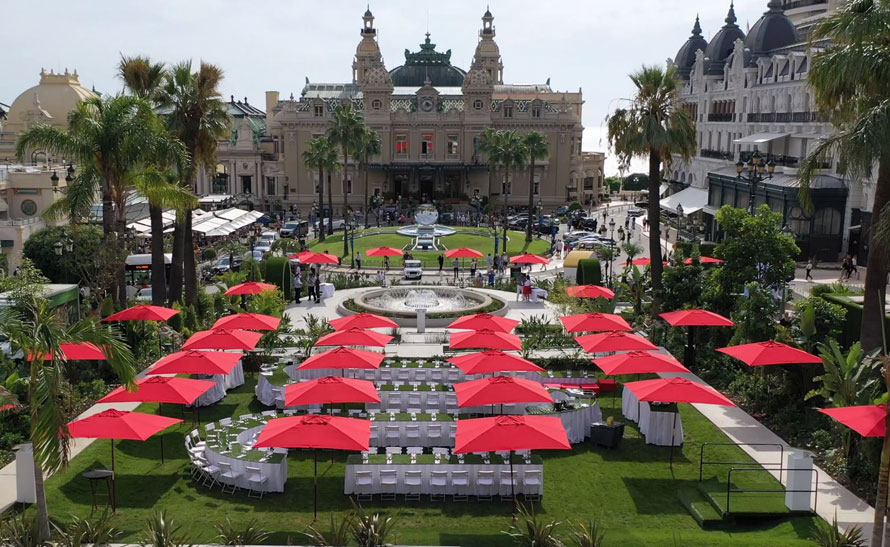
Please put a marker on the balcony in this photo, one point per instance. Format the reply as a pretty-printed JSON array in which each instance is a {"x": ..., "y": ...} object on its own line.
[
  {"x": 785, "y": 117},
  {"x": 715, "y": 154},
  {"x": 401, "y": 155},
  {"x": 724, "y": 117},
  {"x": 427, "y": 157},
  {"x": 794, "y": 4},
  {"x": 452, "y": 157}
]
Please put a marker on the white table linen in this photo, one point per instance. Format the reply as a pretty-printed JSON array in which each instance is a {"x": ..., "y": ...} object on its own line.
[
  {"x": 577, "y": 422},
  {"x": 222, "y": 383},
  {"x": 327, "y": 290},
  {"x": 429, "y": 472},
  {"x": 538, "y": 294},
  {"x": 408, "y": 433},
  {"x": 275, "y": 473},
  {"x": 656, "y": 426}
]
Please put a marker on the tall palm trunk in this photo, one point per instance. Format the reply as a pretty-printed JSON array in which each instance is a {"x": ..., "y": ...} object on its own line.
[
  {"x": 656, "y": 267},
  {"x": 876, "y": 271},
  {"x": 158, "y": 268},
  {"x": 190, "y": 273},
  {"x": 879, "y": 529},
  {"x": 531, "y": 197},
  {"x": 174, "y": 293},
  {"x": 42, "y": 510},
  {"x": 108, "y": 227},
  {"x": 320, "y": 230},
  {"x": 330, "y": 226},
  {"x": 345, "y": 200},
  {"x": 121, "y": 274},
  {"x": 506, "y": 188}
]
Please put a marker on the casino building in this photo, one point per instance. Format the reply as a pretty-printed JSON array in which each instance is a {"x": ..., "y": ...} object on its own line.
[{"x": 429, "y": 114}]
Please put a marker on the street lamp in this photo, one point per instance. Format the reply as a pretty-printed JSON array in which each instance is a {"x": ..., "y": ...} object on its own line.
[
  {"x": 55, "y": 180},
  {"x": 753, "y": 174}
]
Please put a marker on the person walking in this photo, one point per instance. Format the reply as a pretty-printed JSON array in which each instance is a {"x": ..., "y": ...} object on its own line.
[
  {"x": 386, "y": 263},
  {"x": 318, "y": 288},
  {"x": 473, "y": 265},
  {"x": 298, "y": 285},
  {"x": 527, "y": 289},
  {"x": 456, "y": 269},
  {"x": 489, "y": 261},
  {"x": 441, "y": 262},
  {"x": 490, "y": 277},
  {"x": 381, "y": 279},
  {"x": 358, "y": 260},
  {"x": 505, "y": 261},
  {"x": 311, "y": 288},
  {"x": 853, "y": 269},
  {"x": 809, "y": 268}
]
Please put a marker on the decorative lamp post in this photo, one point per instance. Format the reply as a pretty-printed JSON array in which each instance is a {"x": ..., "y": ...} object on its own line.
[
  {"x": 55, "y": 180},
  {"x": 753, "y": 172},
  {"x": 611, "y": 248}
]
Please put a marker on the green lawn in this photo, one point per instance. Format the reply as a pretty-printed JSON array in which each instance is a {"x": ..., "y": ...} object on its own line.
[
  {"x": 632, "y": 490},
  {"x": 516, "y": 244}
]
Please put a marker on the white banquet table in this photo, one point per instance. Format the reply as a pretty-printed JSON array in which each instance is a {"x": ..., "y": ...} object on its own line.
[
  {"x": 223, "y": 382},
  {"x": 327, "y": 290},
  {"x": 538, "y": 294},
  {"x": 655, "y": 426},
  {"x": 275, "y": 473}
]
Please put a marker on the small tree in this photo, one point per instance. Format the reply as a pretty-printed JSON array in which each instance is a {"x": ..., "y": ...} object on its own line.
[
  {"x": 277, "y": 270},
  {"x": 589, "y": 272}
]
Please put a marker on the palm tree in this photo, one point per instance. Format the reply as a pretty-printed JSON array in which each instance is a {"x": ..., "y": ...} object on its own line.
[
  {"x": 488, "y": 145},
  {"x": 38, "y": 330},
  {"x": 197, "y": 115},
  {"x": 111, "y": 140},
  {"x": 653, "y": 125},
  {"x": 321, "y": 155},
  {"x": 537, "y": 147},
  {"x": 369, "y": 146},
  {"x": 851, "y": 84},
  {"x": 513, "y": 155},
  {"x": 142, "y": 77},
  {"x": 346, "y": 132}
]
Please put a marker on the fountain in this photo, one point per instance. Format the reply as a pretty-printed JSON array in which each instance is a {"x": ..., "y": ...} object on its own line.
[
  {"x": 404, "y": 304},
  {"x": 425, "y": 231}
]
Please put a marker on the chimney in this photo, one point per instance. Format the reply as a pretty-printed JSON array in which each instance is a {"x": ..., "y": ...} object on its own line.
[{"x": 271, "y": 102}]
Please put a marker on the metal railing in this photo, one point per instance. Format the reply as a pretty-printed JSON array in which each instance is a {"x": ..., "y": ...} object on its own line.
[
  {"x": 730, "y": 490},
  {"x": 721, "y": 117},
  {"x": 702, "y": 463},
  {"x": 715, "y": 154}
]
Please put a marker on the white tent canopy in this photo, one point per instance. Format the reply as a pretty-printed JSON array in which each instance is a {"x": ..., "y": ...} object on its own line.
[
  {"x": 692, "y": 200},
  {"x": 211, "y": 224},
  {"x": 760, "y": 138}
]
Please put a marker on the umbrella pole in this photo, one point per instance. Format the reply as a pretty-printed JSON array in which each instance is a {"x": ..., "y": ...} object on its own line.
[
  {"x": 162, "y": 448},
  {"x": 512, "y": 485},
  {"x": 113, "y": 481},
  {"x": 690, "y": 347},
  {"x": 315, "y": 488}
]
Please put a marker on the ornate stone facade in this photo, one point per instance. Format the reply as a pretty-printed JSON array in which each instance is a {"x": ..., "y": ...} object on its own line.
[{"x": 429, "y": 115}]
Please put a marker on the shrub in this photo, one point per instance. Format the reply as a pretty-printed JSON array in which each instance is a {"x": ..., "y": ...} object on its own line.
[
  {"x": 589, "y": 272},
  {"x": 575, "y": 205},
  {"x": 278, "y": 271}
]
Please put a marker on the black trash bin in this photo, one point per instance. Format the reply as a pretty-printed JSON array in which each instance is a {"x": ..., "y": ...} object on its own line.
[{"x": 608, "y": 436}]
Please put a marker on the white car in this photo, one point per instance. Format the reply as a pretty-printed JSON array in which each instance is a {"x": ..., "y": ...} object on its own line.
[
  {"x": 143, "y": 295},
  {"x": 261, "y": 249},
  {"x": 413, "y": 269}
]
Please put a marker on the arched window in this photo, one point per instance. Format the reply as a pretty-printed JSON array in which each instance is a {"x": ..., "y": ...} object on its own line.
[{"x": 827, "y": 222}]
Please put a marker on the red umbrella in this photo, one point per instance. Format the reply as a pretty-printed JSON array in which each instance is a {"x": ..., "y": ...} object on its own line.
[
  {"x": 196, "y": 362},
  {"x": 638, "y": 262},
  {"x": 331, "y": 389},
  {"x": 120, "y": 424},
  {"x": 769, "y": 353},
  {"x": 500, "y": 390},
  {"x": 320, "y": 258},
  {"x": 704, "y": 260},
  {"x": 143, "y": 312},
  {"x": 484, "y": 321},
  {"x": 529, "y": 259},
  {"x": 301, "y": 256},
  {"x": 590, "y": 291},
  {"x": 343, "y": 358},
  {"x": 511, "y": 433},
  {"x": 867, "y": 420},
  {"x": 492, "y": 360},
  {"x": 639, "y": 362},
  {"x": 251, "y": 287},
  {"x": 676, "y": 390},
  {"x": 223, "y": 339},
  {"x": 161, "y": 389},
  {"x": 363, "y": 321},
  {"x": 385, "y": 251},
  {"x": 594, "y": 321},
  {"x": 248, "y": 321},
  {"x": 77, "y": 351},
  {"x": 614, "y": 341},
  {"x": 463, "y": 252},
  {"x": 486, "y": 338},
  {"x": 354, "y": 337},
  {"x": 696, "y": 318},
  {"x": 314, "y": 431}
]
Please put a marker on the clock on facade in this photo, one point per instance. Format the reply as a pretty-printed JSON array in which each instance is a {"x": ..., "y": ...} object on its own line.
[
  {"x": 426, "y": 105},
  {"x": 29, "y": 207}
]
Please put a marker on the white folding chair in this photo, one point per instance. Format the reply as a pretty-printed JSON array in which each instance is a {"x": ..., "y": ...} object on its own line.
[
  {"x": 437, "y": 376},
  {"x": 229, "y": 478},
  {"x": 413, "y": 485},
  {"x": 412, "y": 434},
  {"x": 441, "y": 451},
  {"x": 421, "y": 375},
  {"x": 460, "y": 484},
  {"x": 225, "y": 422},
  {"x": 388, "y": 484},
  {"x": 392, "y": 435},
  {"x": 434, "y": 435},
  {"x": 438, "y": 485},
  {"x": 484, "y": 485},
  {"x": 245, "y": 417},
  {"x": 531, "y": 485},
  {"x": 211, "y": 474},
  {"x": 414, "y": 450},
  {"x": 506, "y": 485},
  {"x": 395, "y": 402},
  {"x": 256, "y": 481},
  {"x": 393, "y": 450},
  {"x": 414, "y": 401},
  {"x": 269, "y": 413},
  {"x": 364, "y": 485},
  {"x": 290, "y": 412}
]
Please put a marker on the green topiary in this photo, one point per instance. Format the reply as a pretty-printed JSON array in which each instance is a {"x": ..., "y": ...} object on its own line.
[
  {"x": 278, "y": 271},
  {"x": 107, "y": 307},
  {"x": 589, "y": 272}
]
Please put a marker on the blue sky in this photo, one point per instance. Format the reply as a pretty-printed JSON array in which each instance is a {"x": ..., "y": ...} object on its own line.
[{"x": 275, "y": 44}]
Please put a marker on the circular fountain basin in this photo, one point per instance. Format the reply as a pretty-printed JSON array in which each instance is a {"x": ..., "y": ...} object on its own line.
[
  {"x": 436, "y": 230},
  {"x": 401, "y": 304}
]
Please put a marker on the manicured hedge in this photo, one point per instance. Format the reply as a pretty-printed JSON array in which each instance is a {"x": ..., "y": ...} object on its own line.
[{"x": 589, "y": 272}]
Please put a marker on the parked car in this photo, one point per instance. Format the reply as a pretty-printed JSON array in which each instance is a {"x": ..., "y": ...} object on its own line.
[
  {"x": 336, "y": 224},
  {"x": 561, "y": 210},
  {"x": 413, "y": 269},
  {"x": 293, "y": 229},
  {"x": 590, "y": 223},
  {"x": 635, "y": 212},
  {"x": 225, "y": 265},
  {"x": 262, "y": 247},
  {"x": 143, "y": 294},
  {"x": 270, "y": 236}
]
